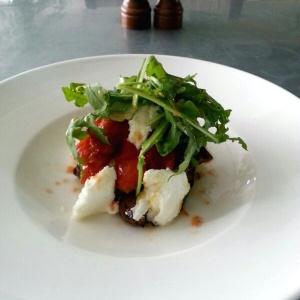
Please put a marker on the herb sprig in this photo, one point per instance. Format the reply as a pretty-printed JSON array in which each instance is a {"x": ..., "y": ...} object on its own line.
[{"x": 181, "y": 107}]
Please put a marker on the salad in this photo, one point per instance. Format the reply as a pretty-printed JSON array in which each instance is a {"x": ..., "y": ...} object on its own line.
[{"x": 138, "y": 149}]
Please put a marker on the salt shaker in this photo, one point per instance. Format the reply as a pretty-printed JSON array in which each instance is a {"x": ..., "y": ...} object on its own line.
[
  {"x": 168, "y": 14},
  {"x": 136, "y": 14}
]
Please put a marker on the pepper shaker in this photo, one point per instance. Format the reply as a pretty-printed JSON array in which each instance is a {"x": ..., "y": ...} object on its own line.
[
  {"x": 136, "y": 14},
  {"x": 168, "y": 14}
]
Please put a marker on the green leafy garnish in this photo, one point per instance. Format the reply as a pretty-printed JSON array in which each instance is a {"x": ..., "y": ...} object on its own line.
[{"x": 182, "y": 107}]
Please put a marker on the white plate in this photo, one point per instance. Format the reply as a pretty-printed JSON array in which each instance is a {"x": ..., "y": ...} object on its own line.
[{"x": 248, "y": 246}]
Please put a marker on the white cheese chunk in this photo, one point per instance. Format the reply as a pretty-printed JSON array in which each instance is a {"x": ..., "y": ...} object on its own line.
[
  {"x": 97, "y": 195},
  {"x": 162, "y": 196},
  {"x": 138, "y": 128}
]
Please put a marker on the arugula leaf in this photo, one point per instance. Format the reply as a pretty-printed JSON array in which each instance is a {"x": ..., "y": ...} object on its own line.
[
  {"x": 171, "y": 140},
  {"x": 76, "y": 93},
  {"x": 155, "y": 68},
  {"x": 140, "y": 78},
  {"x": 240, "y": 141},
  {"x": 97, "y": 96}
]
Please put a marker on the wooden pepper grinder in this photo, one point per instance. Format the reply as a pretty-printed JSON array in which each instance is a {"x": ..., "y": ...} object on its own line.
[
  {"x": 168, "y": 14},
  {"x": 136, "y": 14}
]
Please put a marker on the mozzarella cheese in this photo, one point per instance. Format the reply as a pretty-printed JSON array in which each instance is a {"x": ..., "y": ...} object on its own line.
[
  {"x": 97, "y": 195},
  {"x": 162, "y": 196},
  {"x": 138, "y": 128}
]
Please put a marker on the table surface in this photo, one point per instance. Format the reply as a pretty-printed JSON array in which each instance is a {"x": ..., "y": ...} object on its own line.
[{"x": 259, "y": 37}]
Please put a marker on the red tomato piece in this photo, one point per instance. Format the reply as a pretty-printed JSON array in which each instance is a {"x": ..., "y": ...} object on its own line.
[
  {"x": 96, "y": 156},
  {"x": 126, "y": 150},
  {"x": 127, "y": 174},
  {"x": 126, "y": 167},
  {"x": 99, "y": 147},
  {"x": 169, "y": 160},
  {"x": 116, "y": 132},
  {"x": 92, "y": 169},
  {"x": 155, "y": 161}
]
